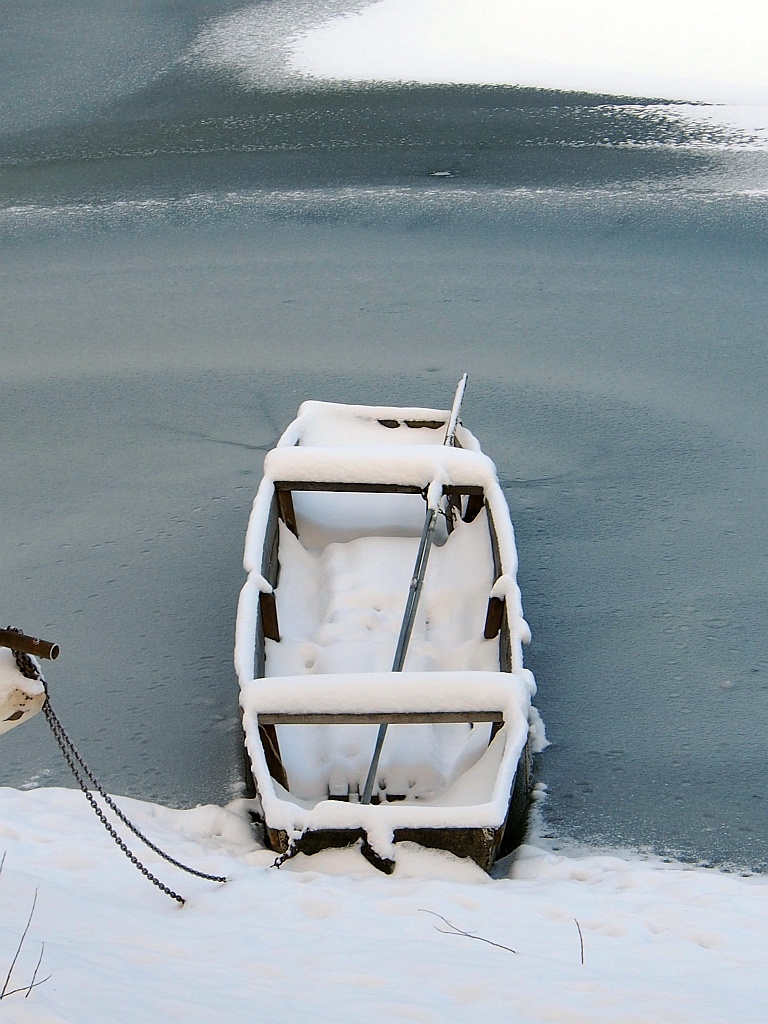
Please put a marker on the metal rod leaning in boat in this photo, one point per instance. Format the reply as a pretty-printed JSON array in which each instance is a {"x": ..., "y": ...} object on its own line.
[
  {"x": 28, "y": 644},
  {"x": 414, "y": 593},
  {"x": 453, "y": 420},
  {"x": 406, "y": 629}
]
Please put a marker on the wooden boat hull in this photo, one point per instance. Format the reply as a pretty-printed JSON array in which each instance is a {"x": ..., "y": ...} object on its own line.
[
  {"x": 302, "y": 480},
  {"x": 482, "y": 845}
]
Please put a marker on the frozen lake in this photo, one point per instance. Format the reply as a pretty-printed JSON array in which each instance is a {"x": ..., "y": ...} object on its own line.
[{"x": 185, "y": 261}]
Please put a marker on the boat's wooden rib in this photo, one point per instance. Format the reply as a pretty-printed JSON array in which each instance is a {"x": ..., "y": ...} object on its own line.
[{"x": 494, "y": 617}]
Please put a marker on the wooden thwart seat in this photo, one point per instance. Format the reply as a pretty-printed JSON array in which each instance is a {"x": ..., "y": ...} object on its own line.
[
  {"x": 377, "y": 718},
  {"x": 268, "y": 721}
]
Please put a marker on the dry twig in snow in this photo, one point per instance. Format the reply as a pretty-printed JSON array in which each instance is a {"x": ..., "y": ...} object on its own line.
[
  {"x": 33, "y": 984},
  {"x": 469, "y": 935},
  {"x": 581, "y": 941}
]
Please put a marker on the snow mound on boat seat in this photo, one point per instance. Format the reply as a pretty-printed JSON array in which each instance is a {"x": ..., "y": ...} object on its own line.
[
  {"x": 417, "y": 465},
  {"x": 340, "y": 608},
  {"x": 388, "y": 692}
]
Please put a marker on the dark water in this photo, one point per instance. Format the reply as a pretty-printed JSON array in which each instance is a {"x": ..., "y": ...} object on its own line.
[{"x": 184, "y": 261}]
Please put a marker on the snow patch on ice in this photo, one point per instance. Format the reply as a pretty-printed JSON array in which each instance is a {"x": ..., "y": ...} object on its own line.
[
  {"x": 707, "y": 52},
  {"x": 711, "y": 52}
]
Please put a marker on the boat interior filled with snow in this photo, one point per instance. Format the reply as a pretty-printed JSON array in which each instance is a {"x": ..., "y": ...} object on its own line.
[{"x": 384, "y": 698}]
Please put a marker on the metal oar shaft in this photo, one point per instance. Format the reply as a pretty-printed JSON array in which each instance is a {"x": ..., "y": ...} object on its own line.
[
  {"x": 453, "y": 419},
  {"x": 409, "y": 617},
  {"x": 414, "y": 593}
]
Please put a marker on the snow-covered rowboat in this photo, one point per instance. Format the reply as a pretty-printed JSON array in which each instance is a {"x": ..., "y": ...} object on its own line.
[{"x": 330, "y": 555}]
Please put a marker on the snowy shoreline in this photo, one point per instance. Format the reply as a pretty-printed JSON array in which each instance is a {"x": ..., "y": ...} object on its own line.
[{"x": 330, "y": 936}]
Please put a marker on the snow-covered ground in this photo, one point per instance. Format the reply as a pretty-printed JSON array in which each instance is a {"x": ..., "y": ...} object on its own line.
[{"x": 329, "y": 938}]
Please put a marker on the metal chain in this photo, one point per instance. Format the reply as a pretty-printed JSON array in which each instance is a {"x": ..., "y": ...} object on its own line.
[
  {"x": 25, "y": 664},
  {"x": 62, "y": 738},
  {"x": 29, "y": 669},
  {"x": 289, "y": 854},
  {"x": 103, "y": 818}
]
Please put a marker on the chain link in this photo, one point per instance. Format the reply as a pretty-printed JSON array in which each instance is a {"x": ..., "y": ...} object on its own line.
[
  {"x": 76, "y": 764},
  {"x": 26, "y": 664},
  {"x": 289, "y": 854}
]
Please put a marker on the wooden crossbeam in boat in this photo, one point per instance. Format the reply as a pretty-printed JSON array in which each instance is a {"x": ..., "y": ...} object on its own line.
[
  {"x": 376, "y": 717},
  {"x": 286, "y": 486}
]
